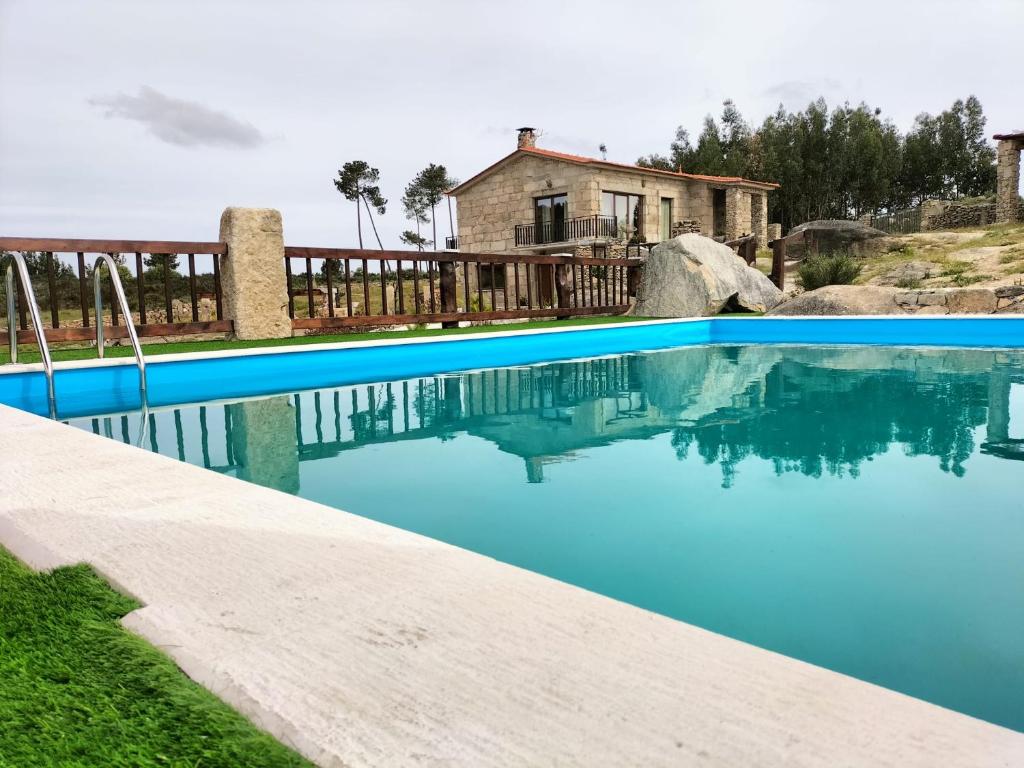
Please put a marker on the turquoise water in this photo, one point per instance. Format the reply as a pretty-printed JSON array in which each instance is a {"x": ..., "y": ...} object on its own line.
[{"x": 858, "y": 508}]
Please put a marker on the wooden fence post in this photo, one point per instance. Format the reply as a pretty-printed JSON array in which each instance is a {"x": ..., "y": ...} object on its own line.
[
  {"x": 563, "y": 282},
  {"x": 449, "y": 292},
  {"x": 632, "y": 281},
  {"x": 778, "y": 275}
]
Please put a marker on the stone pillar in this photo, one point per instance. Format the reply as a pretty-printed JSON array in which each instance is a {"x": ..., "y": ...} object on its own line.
[
  {"x": 1008, "y": 180},
  {"x": 774, "y": 232},
  {"x": 998, "y": 422},
  {"x": 759, "y": 218},
  {"x": 252, "y": 274},
  {"x": 737, "y": 213}
]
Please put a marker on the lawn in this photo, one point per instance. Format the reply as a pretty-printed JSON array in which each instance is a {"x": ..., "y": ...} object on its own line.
[
  {"x": 78, "y": 690},
  {"x": 29, "y": 353}
]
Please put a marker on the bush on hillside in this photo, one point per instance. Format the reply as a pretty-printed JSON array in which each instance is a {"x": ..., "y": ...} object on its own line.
[{"x": 828, "y": 269}]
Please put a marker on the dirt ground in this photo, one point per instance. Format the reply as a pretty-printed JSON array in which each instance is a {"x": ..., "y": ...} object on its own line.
[{"x": 986, "y": 257}]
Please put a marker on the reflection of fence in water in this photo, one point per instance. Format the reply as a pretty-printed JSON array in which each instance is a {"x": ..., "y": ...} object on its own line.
[
  {"x": 126, "y": 428},
  {"x": 326, "y": 422}
]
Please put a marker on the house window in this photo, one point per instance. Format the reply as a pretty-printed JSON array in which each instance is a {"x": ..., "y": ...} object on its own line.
[
  {"x": 549, "y": 215},
  {"x": 492, "y": 276},
  {"x": 665, "y": 223},
  {"x": 628, "y": 211}
]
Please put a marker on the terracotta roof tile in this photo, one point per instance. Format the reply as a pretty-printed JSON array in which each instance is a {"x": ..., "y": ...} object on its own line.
[{"x": 608, "y": 164}]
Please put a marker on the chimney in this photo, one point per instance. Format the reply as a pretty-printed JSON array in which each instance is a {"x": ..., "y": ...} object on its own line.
[{"x": 527, "y": 138}]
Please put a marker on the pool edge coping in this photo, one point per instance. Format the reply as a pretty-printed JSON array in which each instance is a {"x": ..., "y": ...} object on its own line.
[
  {"x": 285, "y": 349},
  {"x": 25, "y": 533}
]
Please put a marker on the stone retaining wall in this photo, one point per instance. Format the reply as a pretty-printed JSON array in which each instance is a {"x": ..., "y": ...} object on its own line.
[
  {"x": 945, "y": 214},
  {"x": 837, "y": 300},
  {"x": 962, "y": 301}
]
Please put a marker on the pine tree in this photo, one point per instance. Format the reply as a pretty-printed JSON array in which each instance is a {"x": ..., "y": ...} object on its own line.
[
  {"x": 358, "y": 182},
  {"x": 432, "y": 183}
]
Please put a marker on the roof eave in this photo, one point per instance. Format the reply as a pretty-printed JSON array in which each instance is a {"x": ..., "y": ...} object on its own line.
[{"x": 727, "y": 181}]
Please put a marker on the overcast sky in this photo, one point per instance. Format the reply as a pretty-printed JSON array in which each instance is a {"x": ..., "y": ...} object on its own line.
[{"x": 137, "y": 119}]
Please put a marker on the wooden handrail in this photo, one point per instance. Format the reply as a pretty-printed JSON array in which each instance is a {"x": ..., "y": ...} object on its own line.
[
  {"x": 357, "y": 254},
  {"x": 60, "y": 245}
]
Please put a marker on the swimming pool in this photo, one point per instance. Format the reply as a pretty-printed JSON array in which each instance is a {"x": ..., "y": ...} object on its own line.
[{"x": 858, "y": 507}]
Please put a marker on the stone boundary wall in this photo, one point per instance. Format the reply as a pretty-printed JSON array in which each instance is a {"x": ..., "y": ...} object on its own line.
[
  {"x": 951, "y": 301},
  {"x": 950, "y": 214},
  {"x": 945, "y": 214}
]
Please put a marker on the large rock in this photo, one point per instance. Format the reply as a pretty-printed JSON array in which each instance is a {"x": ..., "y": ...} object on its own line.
[
  {"x": 843, "y": 300},
  {"x": 878, "y": 300},
  {"x": 836, "y": 236},
  {"x": 909, "y": 272},
  {"x": 692, "y": 275}
]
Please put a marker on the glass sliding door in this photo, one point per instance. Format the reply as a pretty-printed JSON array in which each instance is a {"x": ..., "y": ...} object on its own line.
[
  {"x": 628, "y": 211},
  {"x": 549, "y": 215}
]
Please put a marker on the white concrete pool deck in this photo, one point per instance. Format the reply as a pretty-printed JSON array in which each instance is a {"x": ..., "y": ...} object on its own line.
[{"x": 364, "y": 645}]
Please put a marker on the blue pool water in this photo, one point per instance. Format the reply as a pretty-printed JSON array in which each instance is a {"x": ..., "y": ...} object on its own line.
[{"x": 860, "y": 508}]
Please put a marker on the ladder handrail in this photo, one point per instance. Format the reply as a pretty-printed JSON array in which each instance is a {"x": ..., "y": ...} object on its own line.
[
  {"x": 126, "y": 311},
  {"x": 17, "y": 259}
]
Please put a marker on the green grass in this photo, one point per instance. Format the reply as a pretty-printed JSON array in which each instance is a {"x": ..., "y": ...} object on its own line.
[
  {"x": 76, "y": 689},
  {"x": 29, "y": 353}
]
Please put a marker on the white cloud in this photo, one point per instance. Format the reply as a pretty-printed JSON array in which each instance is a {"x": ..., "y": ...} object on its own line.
[{"x": 180, "y": 122}]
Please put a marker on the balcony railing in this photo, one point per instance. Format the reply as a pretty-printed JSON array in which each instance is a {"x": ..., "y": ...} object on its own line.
[{"x": 579, "y": 228}]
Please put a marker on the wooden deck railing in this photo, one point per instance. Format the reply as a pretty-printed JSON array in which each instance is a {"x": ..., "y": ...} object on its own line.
[
  {"x": 576, "y": 228},
  {"x": 63, "y": 289},
  {"x": 353, "y": 288}
]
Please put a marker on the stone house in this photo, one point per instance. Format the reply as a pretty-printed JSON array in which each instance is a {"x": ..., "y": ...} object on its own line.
[{"x": 538, "y": 201}]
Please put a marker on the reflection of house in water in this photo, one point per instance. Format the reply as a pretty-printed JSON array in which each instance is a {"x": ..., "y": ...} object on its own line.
[
  {"x": 805, "y": 410},
  {"x": 540, "y": 413}
]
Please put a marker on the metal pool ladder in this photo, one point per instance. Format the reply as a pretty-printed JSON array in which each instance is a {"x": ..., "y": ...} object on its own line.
[
  {"x": 17, "y": 260},
  {"x": 126, "y": 311}
]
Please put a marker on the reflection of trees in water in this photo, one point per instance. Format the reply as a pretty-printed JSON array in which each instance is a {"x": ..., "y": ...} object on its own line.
[{"x": 827, "y": 420}]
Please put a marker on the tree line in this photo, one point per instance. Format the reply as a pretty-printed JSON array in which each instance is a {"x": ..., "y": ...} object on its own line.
[{"x": 844, "y": 162}]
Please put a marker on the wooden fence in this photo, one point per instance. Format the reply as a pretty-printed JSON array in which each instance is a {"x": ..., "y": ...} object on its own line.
[
  {"x": 65, "y": 294},
  {"x": 364, "y": 288}
]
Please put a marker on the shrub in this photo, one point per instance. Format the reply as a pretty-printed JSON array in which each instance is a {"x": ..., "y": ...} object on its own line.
[
  {"x": 828, "y": 269},
  {"x": 908, "y": 282},
  {"x": 897, "y": 248},
  {"x": 962, "y": 280},
  {"x": 956, "y": 268}
]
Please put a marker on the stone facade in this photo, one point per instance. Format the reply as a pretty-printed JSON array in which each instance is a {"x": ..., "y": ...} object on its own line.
[
  {"x": 1008, "y": 203},
  {"x": 686, "y": 227},
  {"x": 489, "y": 211},
  {"x": 490, "y": 207},
  {"x": 252, "y": 274}
]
